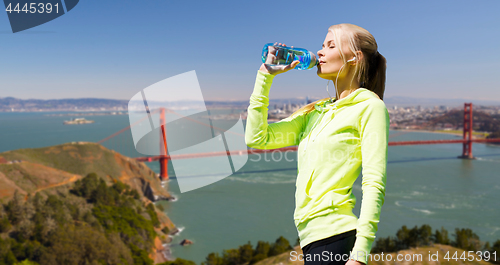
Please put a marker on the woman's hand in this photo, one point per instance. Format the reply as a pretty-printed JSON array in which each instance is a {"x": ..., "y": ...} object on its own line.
[
  {"x": 354, "y": 262},
  {"x": 275, "y": 69}
]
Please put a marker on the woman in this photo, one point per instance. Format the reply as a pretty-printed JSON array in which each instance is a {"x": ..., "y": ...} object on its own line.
[{"x": 337, "y": 139}]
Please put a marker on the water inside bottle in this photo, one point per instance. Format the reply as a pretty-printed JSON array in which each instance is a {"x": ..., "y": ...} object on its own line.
[{"x": 285, "y": 55}]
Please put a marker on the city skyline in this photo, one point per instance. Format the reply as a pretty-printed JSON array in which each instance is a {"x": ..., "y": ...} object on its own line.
[{"x": 95, "y": 104}]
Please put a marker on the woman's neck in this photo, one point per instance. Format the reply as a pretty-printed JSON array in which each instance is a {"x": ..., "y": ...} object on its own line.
[
  {"x": 344, "y": 87},
  {"x": 346, "y": 83}
]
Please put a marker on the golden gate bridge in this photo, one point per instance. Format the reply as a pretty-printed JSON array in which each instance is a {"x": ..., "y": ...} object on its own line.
[{"x": 163, "y": 157}]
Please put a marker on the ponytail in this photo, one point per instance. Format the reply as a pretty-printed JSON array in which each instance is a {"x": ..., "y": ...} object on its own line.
[{"x": 374, "y": 78}]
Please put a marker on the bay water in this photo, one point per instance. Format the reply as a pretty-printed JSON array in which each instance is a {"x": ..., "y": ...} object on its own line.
[{"x": 426, "y": 184}]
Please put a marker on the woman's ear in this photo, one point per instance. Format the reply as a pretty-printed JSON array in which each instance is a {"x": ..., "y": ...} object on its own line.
[{"x": 359, "y": 57}]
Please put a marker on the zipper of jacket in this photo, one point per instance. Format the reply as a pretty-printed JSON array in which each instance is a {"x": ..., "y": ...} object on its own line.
[
  {"x": 314, "y": 126},
  {"x": 331, "y": 118},
  {"x": 323, "y": 113}
]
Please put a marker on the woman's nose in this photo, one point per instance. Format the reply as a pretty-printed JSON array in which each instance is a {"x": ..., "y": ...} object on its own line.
[{"x": 320, "y": 53}]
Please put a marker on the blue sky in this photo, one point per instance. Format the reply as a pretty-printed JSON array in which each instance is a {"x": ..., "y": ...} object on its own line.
[{"x": 114, "y": 48}]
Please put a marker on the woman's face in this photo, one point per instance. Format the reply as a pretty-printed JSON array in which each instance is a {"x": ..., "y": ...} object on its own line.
[{"x": 329, "y": 58}]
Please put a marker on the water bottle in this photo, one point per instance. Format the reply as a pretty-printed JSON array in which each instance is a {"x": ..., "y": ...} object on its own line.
[{"x": 286, "y": 55}]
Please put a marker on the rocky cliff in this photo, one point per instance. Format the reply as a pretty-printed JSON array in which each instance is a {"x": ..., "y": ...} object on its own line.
[{"x": 52, "y": 170}]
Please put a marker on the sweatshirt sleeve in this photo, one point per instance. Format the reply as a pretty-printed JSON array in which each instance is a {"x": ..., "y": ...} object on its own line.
[
  {"x": 374, "y": 133},
  {"x": 261, "y": 135}
]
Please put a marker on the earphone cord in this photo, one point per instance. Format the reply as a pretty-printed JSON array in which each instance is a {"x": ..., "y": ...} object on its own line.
[
  {"x": 336, "y": 80},
  {"x": 327, "y": 83}
]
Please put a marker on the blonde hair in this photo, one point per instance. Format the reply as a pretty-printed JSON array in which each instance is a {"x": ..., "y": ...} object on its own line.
[{"x": 369, "y": 72}]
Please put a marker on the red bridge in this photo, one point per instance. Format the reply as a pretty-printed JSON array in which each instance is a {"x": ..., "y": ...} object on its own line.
[{"x": 163, "y": 157}]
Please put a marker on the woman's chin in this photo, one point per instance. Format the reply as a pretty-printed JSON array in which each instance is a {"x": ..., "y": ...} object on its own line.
[
  {"x": 322, "y": 75},
  {"x": 327, "y": 76},
  {"x": 318, "y": 72}
]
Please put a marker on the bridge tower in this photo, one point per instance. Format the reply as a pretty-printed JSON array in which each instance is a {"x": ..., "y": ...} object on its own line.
[
  {"x": 467, "y": 145},
  {"x": 163, "y": 147}
]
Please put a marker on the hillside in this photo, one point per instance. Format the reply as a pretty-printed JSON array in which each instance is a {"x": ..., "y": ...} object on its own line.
[
  {"x": 47, "y": 167},
  {"x": 55, "y": 170},
  {"x": 481, "y": 121},
  {"x": 284, "y": 259}
]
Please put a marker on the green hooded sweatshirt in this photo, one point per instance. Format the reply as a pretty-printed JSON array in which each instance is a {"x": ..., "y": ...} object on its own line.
[{"x": 336, "y": 142}]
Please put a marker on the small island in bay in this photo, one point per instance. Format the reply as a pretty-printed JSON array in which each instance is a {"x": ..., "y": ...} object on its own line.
[{"x": 78, "y": 121}]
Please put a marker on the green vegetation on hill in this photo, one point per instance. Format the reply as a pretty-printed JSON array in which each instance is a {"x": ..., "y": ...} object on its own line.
[
  {"x": 405, "y": 241},
  {"x": 418, "y": 237},
  {"x": 494, "y": 135},
  {"x": 79, "y": 158},
  {"x": 246, "y": 254},
  {"x": 481, "y": 121},
  {"x": 93, "y": 224},
  {"x": 44, "y": 167},
  {"x": 178, "y": 261}
]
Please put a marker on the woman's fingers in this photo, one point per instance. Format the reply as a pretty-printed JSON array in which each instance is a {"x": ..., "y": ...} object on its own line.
[
  {"x": 269, "y": 65},
  {"x": 270, "y": 58},
  {"x": 271, "y": 55},
  {"x": 292, "y": 65},
  {"x": 278, "y": 69}
]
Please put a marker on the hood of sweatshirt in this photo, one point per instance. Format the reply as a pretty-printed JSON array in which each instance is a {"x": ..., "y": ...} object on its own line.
[
  {"x": 324, "y": 106},
  {"x": 359, "y": 95}
]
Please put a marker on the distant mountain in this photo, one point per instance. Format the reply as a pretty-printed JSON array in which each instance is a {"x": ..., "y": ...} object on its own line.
[
  {"x": 389, "y": 101},
  {"x": 10, "y": 103},
  {"x": 79, "y": 104},
  {"x": 429, "y": 102}
]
